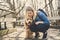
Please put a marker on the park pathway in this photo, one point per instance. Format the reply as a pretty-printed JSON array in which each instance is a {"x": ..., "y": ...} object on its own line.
[{"x": 53, "y": 34}]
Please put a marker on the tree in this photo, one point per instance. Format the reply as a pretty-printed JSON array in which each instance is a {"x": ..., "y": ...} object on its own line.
[
  {"x": 0, "y": 25},
  {"x": 46, "y": 8},
  {"x": 51, "y": 7},
  {"x": 12, "y": 8}
]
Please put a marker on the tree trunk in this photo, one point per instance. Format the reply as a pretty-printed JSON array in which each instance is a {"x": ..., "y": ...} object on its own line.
[
  {"x": 51, "y": 7},
  {"x": 46, "y": 8},
  {"x": 0, "y": 25},
  {"x": 12, "y": 7},
  {"x": 5, "y": 23}
]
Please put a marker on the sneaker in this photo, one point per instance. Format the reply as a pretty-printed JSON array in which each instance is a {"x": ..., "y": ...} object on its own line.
[{"x": 36, "y": 35}]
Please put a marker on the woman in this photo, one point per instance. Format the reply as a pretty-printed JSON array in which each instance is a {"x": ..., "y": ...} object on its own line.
[
  {"x": 28, "y": 20},
  {"x": 42, "y": 23}
]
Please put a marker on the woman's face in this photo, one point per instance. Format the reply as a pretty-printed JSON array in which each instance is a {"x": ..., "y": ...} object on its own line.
[{"x": 30, "y": 13}]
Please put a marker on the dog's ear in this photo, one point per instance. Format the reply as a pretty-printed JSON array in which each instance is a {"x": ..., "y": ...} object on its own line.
[{"x": 29, "y": 18}]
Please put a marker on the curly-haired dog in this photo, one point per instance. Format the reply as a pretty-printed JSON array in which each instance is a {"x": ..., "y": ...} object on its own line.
[{"x": 29, "y": 34}]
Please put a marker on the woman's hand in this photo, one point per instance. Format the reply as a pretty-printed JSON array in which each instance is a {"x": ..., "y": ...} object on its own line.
[{"x": 39, "y": 22}]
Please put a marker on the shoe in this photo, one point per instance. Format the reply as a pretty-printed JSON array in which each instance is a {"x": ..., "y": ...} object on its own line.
[{"x": 36, "y": 35}]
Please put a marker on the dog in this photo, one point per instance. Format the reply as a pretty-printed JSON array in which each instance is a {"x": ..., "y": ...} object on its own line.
[{"x": 29, "y": 34}]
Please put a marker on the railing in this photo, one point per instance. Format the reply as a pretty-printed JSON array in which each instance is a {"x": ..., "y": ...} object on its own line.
[{"x": 52, "y": 20}]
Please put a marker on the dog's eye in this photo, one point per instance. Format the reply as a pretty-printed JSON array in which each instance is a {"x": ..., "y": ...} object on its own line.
[{"x": 29, "y": 18}]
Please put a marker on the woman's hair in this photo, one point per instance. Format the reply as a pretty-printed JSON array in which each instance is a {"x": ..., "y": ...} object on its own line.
[
  {"x": 29, "y": 9},
  {"x": 42, "y": 11}
]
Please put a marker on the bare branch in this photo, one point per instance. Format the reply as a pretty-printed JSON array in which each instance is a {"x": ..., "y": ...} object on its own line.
[
  {"x": 11, "y": 6},
  {"x": 21, "y": 8},
  {"x": 4, "y": 5},
  {"x": 48, "y": 4},
  {"x": 6, "y": 11},
  {"x": 1, "y": 2},
  {"x": 19, "y": 5}
]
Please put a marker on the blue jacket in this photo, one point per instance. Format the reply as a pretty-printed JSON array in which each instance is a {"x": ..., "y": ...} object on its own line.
[
  {"x": 41, "y": 27},
  {"x": 42, "y": 17}
]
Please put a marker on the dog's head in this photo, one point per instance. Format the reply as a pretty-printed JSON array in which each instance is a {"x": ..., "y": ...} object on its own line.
[{"x": 29, "y": 21}]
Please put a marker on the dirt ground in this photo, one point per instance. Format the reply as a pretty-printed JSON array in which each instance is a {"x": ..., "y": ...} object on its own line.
[{"x": 53, "y": 34}]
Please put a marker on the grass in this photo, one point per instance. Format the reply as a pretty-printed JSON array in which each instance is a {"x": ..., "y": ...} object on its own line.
[{"x": 7, "y": 31}]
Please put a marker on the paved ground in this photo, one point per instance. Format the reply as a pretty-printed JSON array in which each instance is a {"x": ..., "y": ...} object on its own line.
[{"x": 53, "y": 34}]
